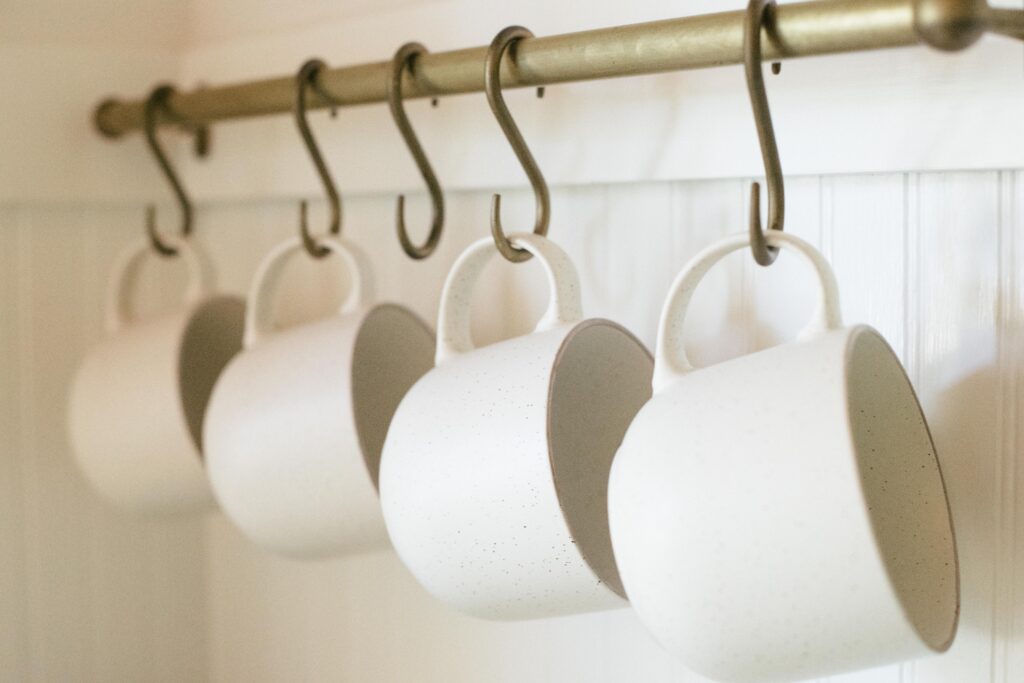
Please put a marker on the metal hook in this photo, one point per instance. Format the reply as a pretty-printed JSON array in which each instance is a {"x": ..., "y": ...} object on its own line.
[
  {"x": 158, "y": 100},
  {"x": 308, "y": 76},
  {"x": 758, "y": 12},
  {"x": 492, "y": 84},
  {"x": 406, "y": 56}
]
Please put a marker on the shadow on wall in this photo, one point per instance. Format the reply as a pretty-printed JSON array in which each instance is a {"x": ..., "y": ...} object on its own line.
[{"x": 967, "y": 429}]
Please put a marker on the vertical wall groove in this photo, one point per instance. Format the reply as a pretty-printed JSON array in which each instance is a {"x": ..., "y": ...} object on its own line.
[
  {"x": 906, "y": 675},
  {"x": 1015, "y": 666},
  {"x": 1000, "y": 465},
  {"x": 26, "y": 441},
  {"x": 1009, "y": 342},
  {"x": 14, "y": 608}
]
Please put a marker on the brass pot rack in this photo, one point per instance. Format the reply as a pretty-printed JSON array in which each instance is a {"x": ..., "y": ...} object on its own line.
[{"x": 817, "y": 27}]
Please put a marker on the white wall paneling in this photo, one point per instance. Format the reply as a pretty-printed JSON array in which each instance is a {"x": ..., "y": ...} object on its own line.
[
  {"x": 87, "y": 594},
  {"x": 930, "y": 259}
]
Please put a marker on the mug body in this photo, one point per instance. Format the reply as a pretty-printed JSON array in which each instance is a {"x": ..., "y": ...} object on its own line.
[
  {"x": 138, "y": 401},
  {"x": 286, "y": 423},
  {"x": 494, "y": 474},
  {"x": 800, "y": 520},
  {"x": 297, "y": 422},
  {"x": 782, "y": 515}
]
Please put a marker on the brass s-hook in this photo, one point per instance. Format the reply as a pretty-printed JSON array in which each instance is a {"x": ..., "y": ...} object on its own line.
[
  {"x": 406, "y": 57},
  {"x": 308, "y": 76},
  {"x": 492, "y": 81},
  {"x": 759, "y": 12},
  {"x": 157, "y": 101}
]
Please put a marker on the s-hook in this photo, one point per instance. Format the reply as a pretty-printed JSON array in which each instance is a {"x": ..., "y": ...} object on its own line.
[
  {"x": 406, "y": 56},
  {"x": 759, "y": 12},
  {"x": 308, "y": 76},
  {"x": 157, "y": 101},
  {"x": 492, "y": 84}
]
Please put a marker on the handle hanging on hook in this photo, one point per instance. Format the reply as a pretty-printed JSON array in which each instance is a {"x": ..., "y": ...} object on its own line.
[
  {"x": 406, "y": 56},
  {"x": 157, "y": 101},
  {"x": 492, "y": 84},
  {"x": 760, "y": 12},
  {"x": 308, "y": 76}
]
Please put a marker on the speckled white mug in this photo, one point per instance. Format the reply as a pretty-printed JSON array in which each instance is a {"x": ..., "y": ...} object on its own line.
[
  {"x": 296, "y": 423},
  {"x": 138, "y": 399},
  {"x": 782, "y": 515},
  {"x": 495, "y": 469}
]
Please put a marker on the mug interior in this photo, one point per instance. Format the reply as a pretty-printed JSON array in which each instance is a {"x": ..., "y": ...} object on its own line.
[
  {"x": 213, "y": 336},
  {"x": 393, "y": 349},
  {"x": 601, "y": 379},
  {"x": 903, "y": 488}
]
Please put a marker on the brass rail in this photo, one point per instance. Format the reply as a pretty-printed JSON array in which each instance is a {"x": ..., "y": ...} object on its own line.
[{"x": 801, "y": 29}]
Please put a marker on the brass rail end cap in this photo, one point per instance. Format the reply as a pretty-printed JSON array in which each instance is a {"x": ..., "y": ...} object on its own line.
[
  {"x": 950, "y": 25},
  {"x": 99, "y": 118}
]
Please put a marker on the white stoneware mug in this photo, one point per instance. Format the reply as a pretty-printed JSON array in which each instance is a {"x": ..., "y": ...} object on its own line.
[
  {"x": 296, "y": 424},
  {"x": 782, "y": 515},
  {"x": 495, "y": 470},
  {"x": 137, "y": 402}
]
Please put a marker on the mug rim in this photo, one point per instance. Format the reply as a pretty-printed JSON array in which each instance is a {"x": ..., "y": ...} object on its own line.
[
  {"x": 190, "y": 314},
  {"x": 612, "y": 581},
  {"x": 852, "y": 333},
  {"x": 364, "y": 312}
]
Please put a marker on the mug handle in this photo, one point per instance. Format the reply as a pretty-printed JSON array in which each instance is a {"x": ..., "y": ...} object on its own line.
[
  {"x": 115, "y": 316},
  {"x": 258, "y": 323},
  {"x": 670, "y": 360},
  {"x": 453, "y": 318}
]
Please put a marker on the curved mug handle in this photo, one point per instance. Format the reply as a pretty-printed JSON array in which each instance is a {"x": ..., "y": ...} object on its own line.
[
  {"x": 453, "y": 318},
  {"x": 115, "y": 317},
  {"x": 670, "y": 360},
  {"x": 258, "y": 323}
]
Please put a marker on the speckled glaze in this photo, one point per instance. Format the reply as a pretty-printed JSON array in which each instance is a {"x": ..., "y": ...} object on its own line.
[
  {"x": 138, "y": 398},
  {"x": 294, "y": 428},
  {"x": 494, "y": 472},
  {"x": 782, "y": 515}
]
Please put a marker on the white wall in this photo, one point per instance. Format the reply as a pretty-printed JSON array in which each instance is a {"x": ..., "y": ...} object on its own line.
[
  {"x": 931, "y": 259},
  {"x": 85, "y": 594}
]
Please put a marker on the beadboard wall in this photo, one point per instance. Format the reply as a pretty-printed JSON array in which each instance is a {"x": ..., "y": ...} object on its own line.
[
  {"x": 934, "y": 261},
  {"x": 86, "y": 593}
]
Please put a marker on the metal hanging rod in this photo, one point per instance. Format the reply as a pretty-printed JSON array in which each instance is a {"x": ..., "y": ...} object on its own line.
[{"x": 818, "y": 27}]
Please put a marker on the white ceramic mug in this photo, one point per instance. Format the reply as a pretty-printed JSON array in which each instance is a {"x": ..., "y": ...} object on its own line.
[
  {"x": 137, "y": 402},
  {"x": 297, "y": 421},
  {"x": 495, "y": 469},
  {"x": 782, "y": 515}
]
